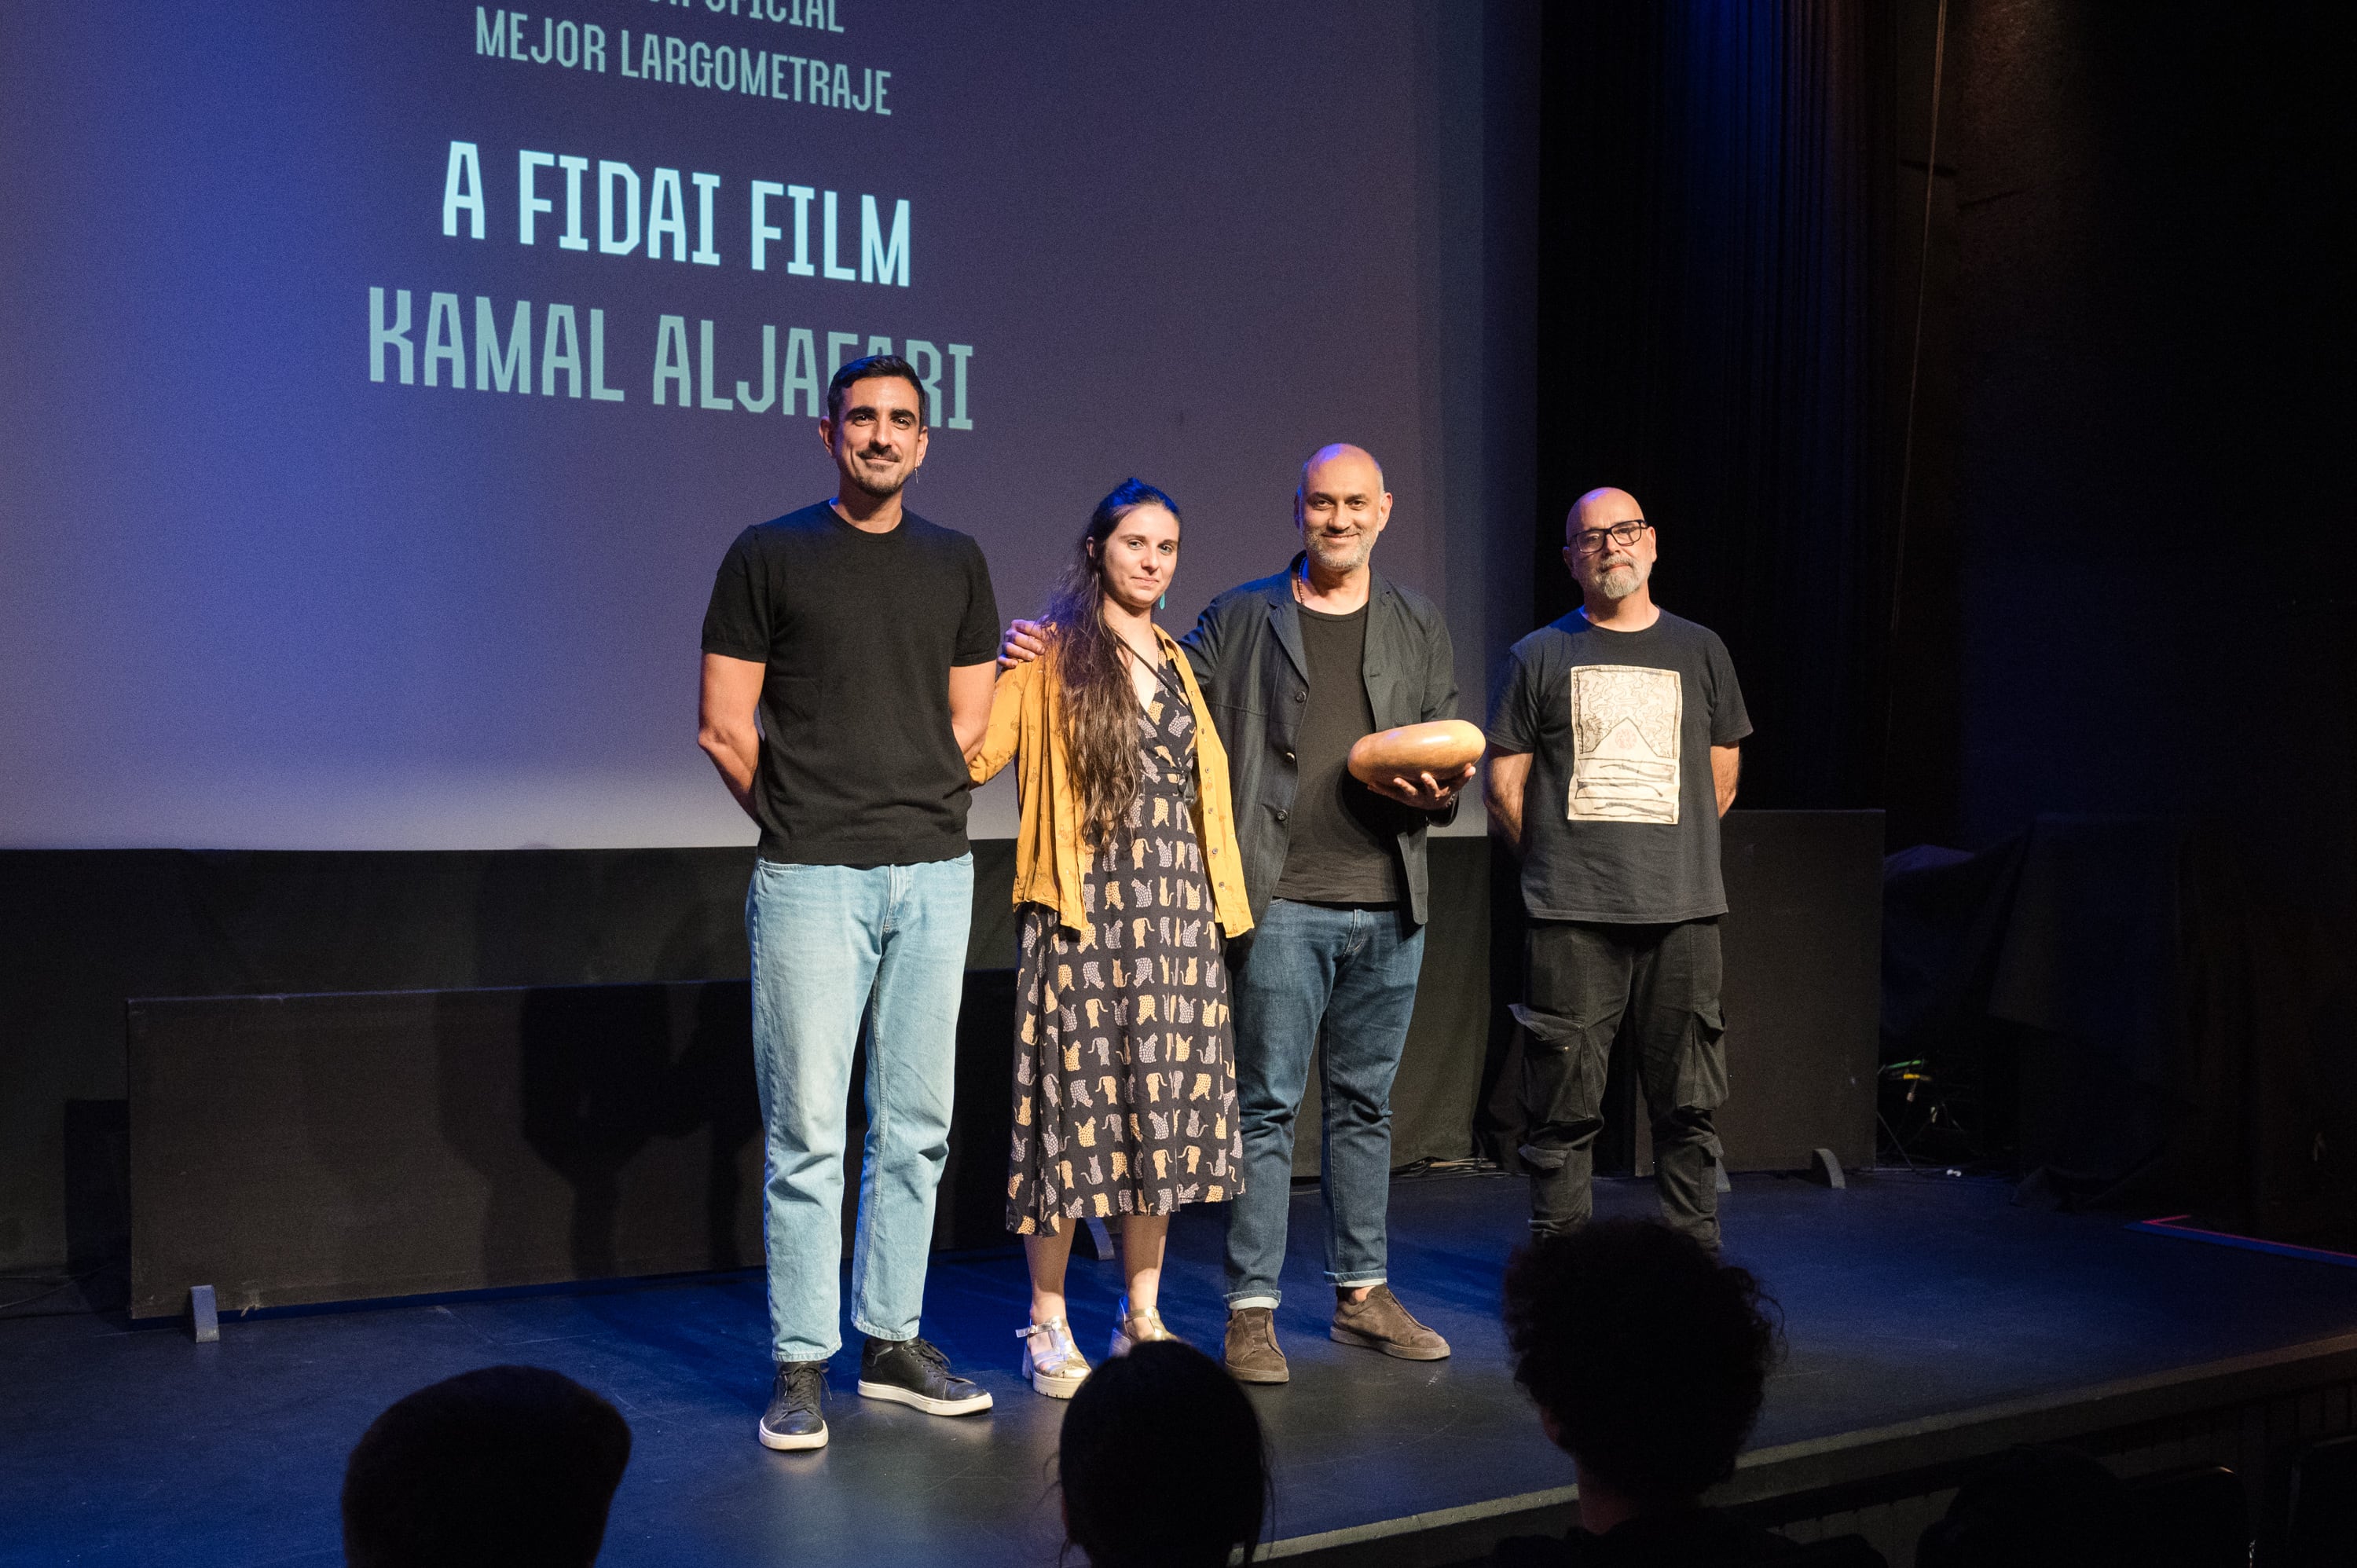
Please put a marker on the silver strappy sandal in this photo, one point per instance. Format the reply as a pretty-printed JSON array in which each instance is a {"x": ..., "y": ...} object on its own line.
[
  {"x": 1132, "y": 1329},
  {"x": 1052, "y": 1363}
]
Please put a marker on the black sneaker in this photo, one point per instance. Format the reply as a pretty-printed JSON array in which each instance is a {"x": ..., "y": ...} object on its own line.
[
  {"x": 913, "y": 1373},
  {"x": 792, "y": 1419}
]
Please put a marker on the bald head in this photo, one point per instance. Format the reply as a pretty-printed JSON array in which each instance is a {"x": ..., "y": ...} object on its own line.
[
  {"x": 1350, "y": 464},
  {"x": 1340, "y": 507},
  {"x": 1600, "y": 508}
]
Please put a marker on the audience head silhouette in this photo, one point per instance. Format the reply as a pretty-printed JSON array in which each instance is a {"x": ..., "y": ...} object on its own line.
[
  {"x": 1161, "y": 1463},
  {"x": 1647, "y": 1356},
  {"x": 512, "y": 1466},
  {"x": 2035, "y": 1506}
]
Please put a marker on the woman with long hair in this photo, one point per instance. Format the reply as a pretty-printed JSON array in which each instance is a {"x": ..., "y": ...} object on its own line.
[{"x": 1126, "y": 873}]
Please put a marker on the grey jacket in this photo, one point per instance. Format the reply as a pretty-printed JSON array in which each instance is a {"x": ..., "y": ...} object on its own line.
[{"x": 1247, "y": 654}]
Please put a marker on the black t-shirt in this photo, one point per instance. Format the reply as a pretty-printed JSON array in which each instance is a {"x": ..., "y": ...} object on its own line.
[
  {"x": 858, "y": 631},
  {"x": 1619, "y": 818},
  {"x": 1342, "y": 844}
]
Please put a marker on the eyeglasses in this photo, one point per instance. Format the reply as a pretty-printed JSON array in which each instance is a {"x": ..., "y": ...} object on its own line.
[{"x": 1588, "y": 541}]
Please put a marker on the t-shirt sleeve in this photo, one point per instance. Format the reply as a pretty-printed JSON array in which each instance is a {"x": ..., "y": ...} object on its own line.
[
  {"x": 1729, "y": 721},
  {"x": 977, "y": 638},
  {"x": 1514, "y": 715},
  {"x": 736, "y": 621}
]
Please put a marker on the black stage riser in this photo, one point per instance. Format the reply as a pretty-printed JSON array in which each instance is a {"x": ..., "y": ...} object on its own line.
[
  {"x": 301, "y": 1149},
  {"x": 82, "y": 931},
  {"x": 2250, "y": 1415},
  {"x": 97, "y": 927}
]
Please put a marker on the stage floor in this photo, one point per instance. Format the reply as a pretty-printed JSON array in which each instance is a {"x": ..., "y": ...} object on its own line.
[{"x": 1904, "y": 1297}]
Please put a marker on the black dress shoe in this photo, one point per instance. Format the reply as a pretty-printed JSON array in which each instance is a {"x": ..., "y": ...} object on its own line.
[
  {"x": 913, "y": 1373},
  {"x": 792, "y": 1419}
]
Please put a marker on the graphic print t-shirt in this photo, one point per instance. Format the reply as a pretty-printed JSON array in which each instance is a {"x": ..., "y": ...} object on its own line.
[
  {"x": 1620, "y": 817},
  {"x": 858, "y": 631}
]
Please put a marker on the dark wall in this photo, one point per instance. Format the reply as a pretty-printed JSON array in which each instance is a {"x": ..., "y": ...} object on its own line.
[
  {"x": 1716, "y": 200},
  {"x": 2153, "y": 367},
  {"x": 2127, "y": 595},
  {"x": 1923, "y": 760},
  {"x": 1986, "y": 365},
  {"x": 2022, "y": 498}
]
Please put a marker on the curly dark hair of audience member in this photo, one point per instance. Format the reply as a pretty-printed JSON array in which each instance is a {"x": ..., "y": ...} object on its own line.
[
  {"x": 1161, "y": 1463},
  {"x": 507, "y": 1465},
  {"x": 1099, "y": 705},
  {"x": 1650, "y": 1355}
]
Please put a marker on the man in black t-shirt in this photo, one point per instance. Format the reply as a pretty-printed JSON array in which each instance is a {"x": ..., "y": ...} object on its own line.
[
  {"x": 848, "y": 664},
  {"x": 1613, "y": 753}
]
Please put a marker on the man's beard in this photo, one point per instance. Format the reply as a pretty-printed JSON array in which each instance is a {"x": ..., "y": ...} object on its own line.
[
  {"x": 1339, "y": 555},
  {"x": 880, "y": 489},
  {"x": 1618, "y": 582}
]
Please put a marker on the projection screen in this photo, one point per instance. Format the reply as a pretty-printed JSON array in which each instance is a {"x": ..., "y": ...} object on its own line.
[{"x": 384, "y": 382}]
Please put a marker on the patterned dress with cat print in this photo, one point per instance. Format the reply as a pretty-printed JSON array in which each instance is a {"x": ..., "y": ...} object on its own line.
[{"x": 1124, "y": 1083}]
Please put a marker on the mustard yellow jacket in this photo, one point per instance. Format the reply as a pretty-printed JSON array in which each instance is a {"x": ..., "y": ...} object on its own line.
[{"x": 1048, "y": 857}]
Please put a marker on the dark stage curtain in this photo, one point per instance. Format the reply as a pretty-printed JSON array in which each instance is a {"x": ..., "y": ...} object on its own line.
[{"x": 1715, "y": 208}]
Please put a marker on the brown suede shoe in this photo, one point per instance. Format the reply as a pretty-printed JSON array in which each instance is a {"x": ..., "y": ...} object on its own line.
[
  {"x": 1251, "y": 1354},
  {"x": 1381, "y": 1323}
]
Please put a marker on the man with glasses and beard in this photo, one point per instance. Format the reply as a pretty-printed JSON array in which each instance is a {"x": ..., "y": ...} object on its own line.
[
  {"x": 1295, "y": 668},
  {"x": 847, "y": 667},
  {"x": 1613, "y": 753}
]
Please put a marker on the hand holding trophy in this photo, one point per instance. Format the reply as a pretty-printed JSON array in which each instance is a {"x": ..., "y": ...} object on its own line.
[{"x": 1421, "y": 766}]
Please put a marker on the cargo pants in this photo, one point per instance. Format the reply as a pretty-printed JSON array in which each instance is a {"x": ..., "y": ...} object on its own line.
[{"x": 1586, "y": 985}]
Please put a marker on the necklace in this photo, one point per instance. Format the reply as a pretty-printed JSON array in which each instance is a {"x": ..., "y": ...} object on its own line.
[{"x": 1160, "y": 672}]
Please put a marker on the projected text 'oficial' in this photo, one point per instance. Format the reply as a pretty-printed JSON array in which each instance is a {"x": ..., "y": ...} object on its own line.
[{"x": 649, "y": 214}]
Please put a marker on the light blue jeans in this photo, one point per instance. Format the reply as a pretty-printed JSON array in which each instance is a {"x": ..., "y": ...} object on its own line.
[
  {"x": 1307, "y": 972},
  {"x": 832, "y": 943}
]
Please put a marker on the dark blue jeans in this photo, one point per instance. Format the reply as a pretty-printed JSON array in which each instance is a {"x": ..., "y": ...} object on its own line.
[{"x": 1307, "y": 972}]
